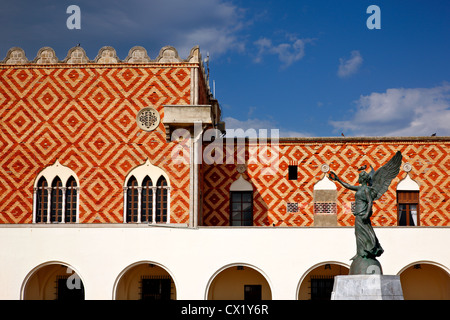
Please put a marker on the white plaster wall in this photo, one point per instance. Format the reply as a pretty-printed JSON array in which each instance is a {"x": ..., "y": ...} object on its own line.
[{"x": 99, "y": 254}]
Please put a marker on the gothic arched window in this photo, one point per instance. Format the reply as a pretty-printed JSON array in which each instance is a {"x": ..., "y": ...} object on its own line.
[
  {"x": 147, "y": 200},
  {"x": 41, "y": 201},
  {"x": 144, "y": 201},
  {"x": 71, "y": 200},
  {"x": 132, "y": 200},
  {"x": 56, "y": 201},
  {"x": 161, "y": 200}
]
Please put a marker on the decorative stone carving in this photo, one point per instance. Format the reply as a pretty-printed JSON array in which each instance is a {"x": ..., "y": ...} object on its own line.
[
  {"x": 76, "y": 55},
  {"x": 194, "y": 55},
  {"x": 15, "y": 56},
  {"x": 148, "y": 119},
  {"x": 168, "y": 54},
  {"x": 241, "y": 168},
  {"x": 137, "y": 55},
  {"x": 107, "y": 55},
  {"x": 46, "y": 55}
]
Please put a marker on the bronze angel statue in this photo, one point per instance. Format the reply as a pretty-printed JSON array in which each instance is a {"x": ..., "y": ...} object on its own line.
[{"x": 372, "y": 186}]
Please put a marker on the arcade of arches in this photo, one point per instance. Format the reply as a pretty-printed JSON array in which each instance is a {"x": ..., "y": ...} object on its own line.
[{"x": 422, "y": 280}]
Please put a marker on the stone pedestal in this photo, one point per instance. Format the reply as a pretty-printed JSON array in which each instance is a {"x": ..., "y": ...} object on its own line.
[{"x": 367, "y": 287}]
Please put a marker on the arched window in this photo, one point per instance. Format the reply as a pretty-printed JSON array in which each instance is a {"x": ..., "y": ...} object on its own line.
[
  {"x": 41, "y": 201},
  {"x": 71, "y": 200},
  {"x": 147, "y": 200},
  {"x": 161, "y": 200},
  {"x": 133, "y": 201},
  {"x": 144, "y": 201},
  {"x": 408, "y": 208},
  {"x": 56, "y": 201}
]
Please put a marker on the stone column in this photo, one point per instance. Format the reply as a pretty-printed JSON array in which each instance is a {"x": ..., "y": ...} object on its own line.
[
  {"x": 77, "y": 190},
  {"x": 154, "y": 204},
  {"x": 168, "y": 204},
  {"x": 49, "y": 202},
  {"x": 34, "y": 204},
  {"x": 139, "y": 204},
  {"x": 63, "y": 206},
  {"x": 125, "y": 189}
]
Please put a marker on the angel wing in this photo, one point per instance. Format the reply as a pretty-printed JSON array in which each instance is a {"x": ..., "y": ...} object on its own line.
[{"x": 383, "y": 177}]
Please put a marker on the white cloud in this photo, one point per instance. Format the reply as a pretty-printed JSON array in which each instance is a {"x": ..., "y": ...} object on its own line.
[
  {"x": 351, "y": 65},
  {"x": 287, "y": 52},
  {"x": 239, "y": 128},
  {"x": 401, "y": 112},
  {"x": 212, "y": 24},
  {"x": 215, "y": 25}
]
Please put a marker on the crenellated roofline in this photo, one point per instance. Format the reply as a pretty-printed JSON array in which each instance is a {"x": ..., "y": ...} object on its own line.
[{"x": 106, "y": 55}]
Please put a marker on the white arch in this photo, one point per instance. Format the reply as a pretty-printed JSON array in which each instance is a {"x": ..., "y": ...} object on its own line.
[
  {"x": 325, "y": 184},
  {"x": 241, "y": 185},
  {"x": 135, "y": 264},
  {"x": 56, "y": 169},
  {"x": 147, "y": 169},
  {"x": 408, "y": 184},
  {"x": 317, "y": 265},
  {"x": 45, "y": 264},
  {"x": 140, "y": 172},
  {"x": 436, "y": 264},
  {"x": 434, "y": 282},
  {"x": 236, "y": 264},
  {"x": 50, "y": 173}
]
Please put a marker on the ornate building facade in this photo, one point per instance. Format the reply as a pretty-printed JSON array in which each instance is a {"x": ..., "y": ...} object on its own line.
[{"x": 116, "y": 173}]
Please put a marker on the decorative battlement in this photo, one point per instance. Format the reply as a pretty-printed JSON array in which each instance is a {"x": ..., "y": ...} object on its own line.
[{"x": 106, "y": 55}]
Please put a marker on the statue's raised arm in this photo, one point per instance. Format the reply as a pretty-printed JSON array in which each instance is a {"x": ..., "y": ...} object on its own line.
[{"x": 334, "y": 177}]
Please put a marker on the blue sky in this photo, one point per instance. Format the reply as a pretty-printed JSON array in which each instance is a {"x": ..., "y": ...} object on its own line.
[{"x": 308, "y": 68}]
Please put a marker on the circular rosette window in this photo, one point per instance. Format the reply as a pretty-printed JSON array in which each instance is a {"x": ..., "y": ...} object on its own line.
[{"x": 148, "y": 119}]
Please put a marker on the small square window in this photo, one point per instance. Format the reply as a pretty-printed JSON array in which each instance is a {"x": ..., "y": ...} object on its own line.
[
  {"x": 293, "y": 172},
  {"x": 408, "y": 208},
  {"x": 241, "y": 206}
]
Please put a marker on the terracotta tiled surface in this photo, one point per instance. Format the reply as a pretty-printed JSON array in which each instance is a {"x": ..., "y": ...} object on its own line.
[
  {"x": 85, "y": 116},
  {"x": 430, "y": 161}
]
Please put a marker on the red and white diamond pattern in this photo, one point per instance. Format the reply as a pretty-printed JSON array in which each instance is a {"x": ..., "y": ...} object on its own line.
[
  {"x": 85, "y": 116},
  {"x": 431, "y": 167}
]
